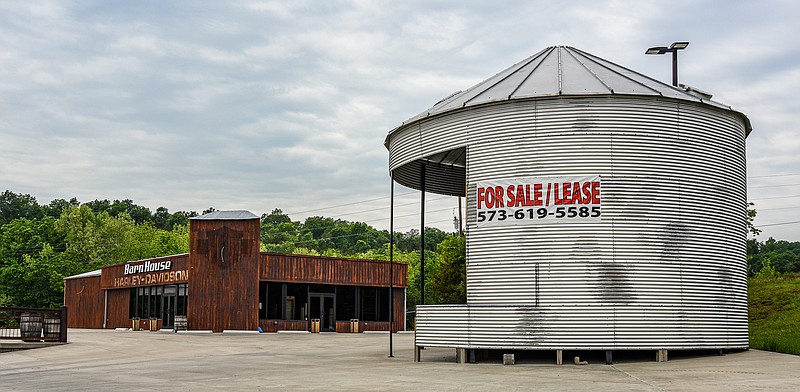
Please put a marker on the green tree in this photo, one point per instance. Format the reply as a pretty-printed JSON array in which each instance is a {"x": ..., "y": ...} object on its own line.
[
  {"x": 783, "y": 256},
  {"x": 58, "y": 206},
  {"x": 751, "y": 216},
  {"x": 147, "y": 241},
  {"x": 278, "y": 230},
  {"x": 449, "y": 281},
  {"x": 96, "y": 239},
  {"x": 22, "y": 237},
  {"x": 38, "y": 280},
  {"x": 767, "y": 272},
  {"x": 13, "y": 206}
]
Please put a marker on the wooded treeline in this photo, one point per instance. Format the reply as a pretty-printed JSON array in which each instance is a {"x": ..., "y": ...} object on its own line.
[{"x": 42, "y": 244}]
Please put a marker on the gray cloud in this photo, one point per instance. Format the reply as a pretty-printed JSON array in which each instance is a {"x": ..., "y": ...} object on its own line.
[{"x": 260, "y": 105}]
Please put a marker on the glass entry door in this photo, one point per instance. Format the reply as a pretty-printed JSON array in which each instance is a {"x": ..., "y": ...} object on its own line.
[
  {"x": 168, "y": 309},
  {"x": 322, "y": 308}
]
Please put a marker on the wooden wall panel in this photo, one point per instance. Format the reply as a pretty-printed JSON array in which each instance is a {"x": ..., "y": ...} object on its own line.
[
  {"x": 373, "y": 326},
  {"x": 283, "y": 325},
  {"x": 224, "y": 263},
  {"x": 328, "y": 270},
  {"x": 84, "y": 300},
  {"x": 399, "y": 310},
  {"x": 119, "y": 308}
]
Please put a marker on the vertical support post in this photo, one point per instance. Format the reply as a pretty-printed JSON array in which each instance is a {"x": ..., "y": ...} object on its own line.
[
  {"x": 609, "y": 358},
  {"x": 460, "y": 219},
  {"x": 105, "y": 309},
  {"x": 461, "y": 355},
  {"x": 675, "y": 67},
  {"x": 559, "y": 357},
  {"x": 391, "y": 263},
  {"x": 417, "y": 350},
  {"x": 661, "y": 355},
  {"x": 62, "y": 336},
  {"x": 422, "y": 237}
]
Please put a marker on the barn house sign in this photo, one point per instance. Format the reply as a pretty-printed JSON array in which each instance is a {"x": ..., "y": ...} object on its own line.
[
  {"x": 147, "y": 266},
  {"x": 157, "y": 271}
]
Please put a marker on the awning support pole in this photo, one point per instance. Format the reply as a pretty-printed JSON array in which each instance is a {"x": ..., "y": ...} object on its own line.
[
  {"x": 422, "y": 238},
  {"x": 391, "y": 263}
]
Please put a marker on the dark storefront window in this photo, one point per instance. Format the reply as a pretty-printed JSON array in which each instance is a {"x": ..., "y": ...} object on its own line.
[
  {"x": 274, "y": 301},
  {"x": 296, "y": 301},
  {"x": 162, "y": 302},
  {"x": 262, "y": 300},
  {"x": 288, "y": 301},
  {"x": 374, "y": 304},
  {"x": 346, "y": 303}
]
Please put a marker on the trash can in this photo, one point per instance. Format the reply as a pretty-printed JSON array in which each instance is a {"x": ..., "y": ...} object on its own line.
[
  {"x": 314, "y": 325},
  {"x": 153, "y": 324},
  {"x": 354, "y": 325},
  {"x": 135, "y": 324}
]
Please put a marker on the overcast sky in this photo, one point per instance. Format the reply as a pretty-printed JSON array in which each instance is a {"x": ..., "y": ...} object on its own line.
[{"x": 260, "y": 105}]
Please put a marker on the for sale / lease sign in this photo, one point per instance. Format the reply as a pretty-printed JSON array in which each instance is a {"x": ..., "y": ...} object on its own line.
[{"x": 537, "y": 200}]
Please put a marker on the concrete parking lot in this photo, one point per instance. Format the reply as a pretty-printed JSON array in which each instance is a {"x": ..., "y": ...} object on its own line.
[{"x": 104, "y": 360}]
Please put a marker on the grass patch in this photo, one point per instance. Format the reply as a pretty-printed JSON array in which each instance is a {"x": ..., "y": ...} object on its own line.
[{"x": 775, "y": 314}]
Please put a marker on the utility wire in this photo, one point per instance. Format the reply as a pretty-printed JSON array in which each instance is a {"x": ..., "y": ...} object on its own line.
[
  {"x": 346, "y": 204},
  {"x": 778, "y": 208},
  {"x": 776, "y": 175},
  {"x": 308, "y": 230},
  {"x": 772, "y": 186},
  {"x": 385, "y": 207},
  {"x": 777, "y": 197},
  {"x": 352, "y": 235},
  {"x": 779, "y": 224}
]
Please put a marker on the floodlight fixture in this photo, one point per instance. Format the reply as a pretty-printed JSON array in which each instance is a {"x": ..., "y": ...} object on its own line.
[
  {"x": 674, "y": 48},
  {"x": 679, "y": 45},
  {"x": 657, "y": 50}
]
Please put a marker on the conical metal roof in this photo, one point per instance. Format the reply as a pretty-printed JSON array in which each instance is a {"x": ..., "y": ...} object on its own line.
[{"x": 564, "y": 71}]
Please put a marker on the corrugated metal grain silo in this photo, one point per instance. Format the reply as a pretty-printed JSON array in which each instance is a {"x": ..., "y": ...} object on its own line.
[{"x": 605, "y": 210}]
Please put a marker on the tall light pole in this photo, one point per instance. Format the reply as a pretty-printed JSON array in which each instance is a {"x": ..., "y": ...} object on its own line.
[{"x": 674, "y": 48}]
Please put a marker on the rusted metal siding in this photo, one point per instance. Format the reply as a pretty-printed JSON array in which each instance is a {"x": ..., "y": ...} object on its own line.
[
  {"x": 329, "y": 270},
  {"x": 224, "y": 269},
  {"x": 283, "y": 325},
  {"x": 119, "y": 303},
  {"x": 84, "y": 300},
  {"x": 669, "y": 251}
]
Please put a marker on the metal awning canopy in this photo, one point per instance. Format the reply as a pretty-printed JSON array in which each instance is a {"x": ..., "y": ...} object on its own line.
[{"x": 445, "y": 173}]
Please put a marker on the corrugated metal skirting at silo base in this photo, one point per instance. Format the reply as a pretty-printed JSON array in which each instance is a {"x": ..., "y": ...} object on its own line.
[{"x": 598, "y": 327}]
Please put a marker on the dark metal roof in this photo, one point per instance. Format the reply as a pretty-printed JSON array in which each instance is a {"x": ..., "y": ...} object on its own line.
[
  {"x": 564, "y": 71},
  {"x": 228, "y": 215}
]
